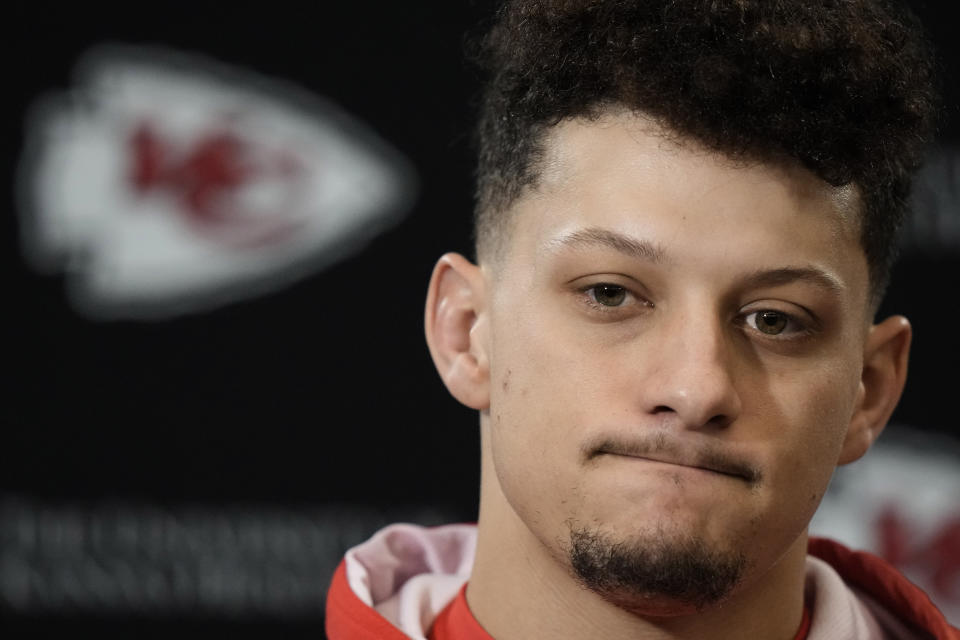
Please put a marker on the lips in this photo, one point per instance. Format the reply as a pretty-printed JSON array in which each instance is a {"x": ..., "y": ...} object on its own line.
[
  {"x": 688, "y": 464},
  {"x": 670, "y": 450}
]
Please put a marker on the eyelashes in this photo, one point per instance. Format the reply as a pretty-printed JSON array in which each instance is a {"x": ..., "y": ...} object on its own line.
[{"x": 614, "y": 301}]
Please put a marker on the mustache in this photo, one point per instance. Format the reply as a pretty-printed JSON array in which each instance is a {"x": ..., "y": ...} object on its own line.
[{"x": 662, "y": 447}]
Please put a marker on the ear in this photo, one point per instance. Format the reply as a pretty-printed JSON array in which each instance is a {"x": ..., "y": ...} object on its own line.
[
  {"x": 884, "y": 373},
  {"x": 456, "y": 329}
]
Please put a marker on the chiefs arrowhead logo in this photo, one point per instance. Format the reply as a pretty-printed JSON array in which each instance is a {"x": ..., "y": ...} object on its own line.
[
  {"x": 208, "y": 179},
  {"x": 164, "y": 184}
]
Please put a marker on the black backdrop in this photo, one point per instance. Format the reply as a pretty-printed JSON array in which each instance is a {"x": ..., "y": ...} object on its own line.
[{"x": 323, "y": 393}]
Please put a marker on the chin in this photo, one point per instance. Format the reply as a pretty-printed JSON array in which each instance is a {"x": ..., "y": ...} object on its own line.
[
  {"x": 654, "y": 574},
  {"x": 653, "y": 606}
]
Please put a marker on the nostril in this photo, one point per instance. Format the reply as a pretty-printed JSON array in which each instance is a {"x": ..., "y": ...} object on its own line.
[
  {"x": 663, "y": 409},
  {"x": 719, "y": 420}
]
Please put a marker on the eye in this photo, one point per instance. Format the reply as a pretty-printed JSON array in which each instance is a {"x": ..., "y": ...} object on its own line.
[
  {"x": 608, "y": 295},
  {"x": 610, "y": 301},
  {"x": 771, "y": 322}
]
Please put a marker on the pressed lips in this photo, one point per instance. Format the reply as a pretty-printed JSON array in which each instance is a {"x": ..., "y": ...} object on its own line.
[{"x": 670, "y": 450}]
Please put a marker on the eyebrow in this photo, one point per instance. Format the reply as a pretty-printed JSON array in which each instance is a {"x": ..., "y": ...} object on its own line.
[
  {"x": 788, "y": 275},
  {"x": 598, "y": 236},
  {"x": 651, "y": 252}
]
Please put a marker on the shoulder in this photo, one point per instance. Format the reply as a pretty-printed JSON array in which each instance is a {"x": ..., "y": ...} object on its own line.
[{"x": 865, "y": 596}]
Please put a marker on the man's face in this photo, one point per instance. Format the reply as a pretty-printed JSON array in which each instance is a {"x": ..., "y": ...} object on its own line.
[{"x": 675, "y": 346}]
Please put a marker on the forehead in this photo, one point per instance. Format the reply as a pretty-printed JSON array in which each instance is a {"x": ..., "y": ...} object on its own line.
[
  {"x": 624, "y": 173},
  {"x": 626, "y": 144}
]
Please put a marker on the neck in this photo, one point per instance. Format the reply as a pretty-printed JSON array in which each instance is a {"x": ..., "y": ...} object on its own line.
[{"x": 519, "y": 589}]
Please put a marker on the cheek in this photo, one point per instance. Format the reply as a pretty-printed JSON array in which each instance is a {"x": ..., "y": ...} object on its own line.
[
  {"x": 550, "y": 384},
  {"x": 535, "y": 371},
  {"x": 815, "y": 410},
  {"x": 828, "y": 408},
  {"x": 540, "y": 401}
]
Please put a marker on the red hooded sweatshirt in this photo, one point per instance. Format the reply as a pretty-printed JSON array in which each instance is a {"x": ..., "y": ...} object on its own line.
[{"x": 397, "y": 584}]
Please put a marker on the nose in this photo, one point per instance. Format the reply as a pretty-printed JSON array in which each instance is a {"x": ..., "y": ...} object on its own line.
[{"x": 693, "y": 379}]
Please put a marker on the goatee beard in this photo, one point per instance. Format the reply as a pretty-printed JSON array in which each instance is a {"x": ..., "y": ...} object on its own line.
[{"x": 635, "y": 573}]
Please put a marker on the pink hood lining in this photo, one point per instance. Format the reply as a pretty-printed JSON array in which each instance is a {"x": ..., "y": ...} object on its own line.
[{"x": 409, "y": 573}]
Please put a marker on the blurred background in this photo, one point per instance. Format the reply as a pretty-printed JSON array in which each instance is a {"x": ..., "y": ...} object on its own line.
[{"x": 221, "y": 222}]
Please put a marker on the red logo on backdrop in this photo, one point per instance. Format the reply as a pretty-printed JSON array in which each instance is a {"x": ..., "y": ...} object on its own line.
[
  {"x": 208, "y": 178},
  {"x": 143, "y": 182},
  {"x": 936, "y": 556}
]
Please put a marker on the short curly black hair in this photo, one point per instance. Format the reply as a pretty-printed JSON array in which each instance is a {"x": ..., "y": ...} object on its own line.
[{"x": 845, "y": 87}]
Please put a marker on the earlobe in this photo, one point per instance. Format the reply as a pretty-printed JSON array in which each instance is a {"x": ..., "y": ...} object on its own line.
[
  {"x": 886, "y": 354},
  {"x": 455, "y": 325}
]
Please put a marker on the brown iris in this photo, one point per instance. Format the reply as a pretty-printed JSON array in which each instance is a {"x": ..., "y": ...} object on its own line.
[{"x": 771, "y": 322}]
